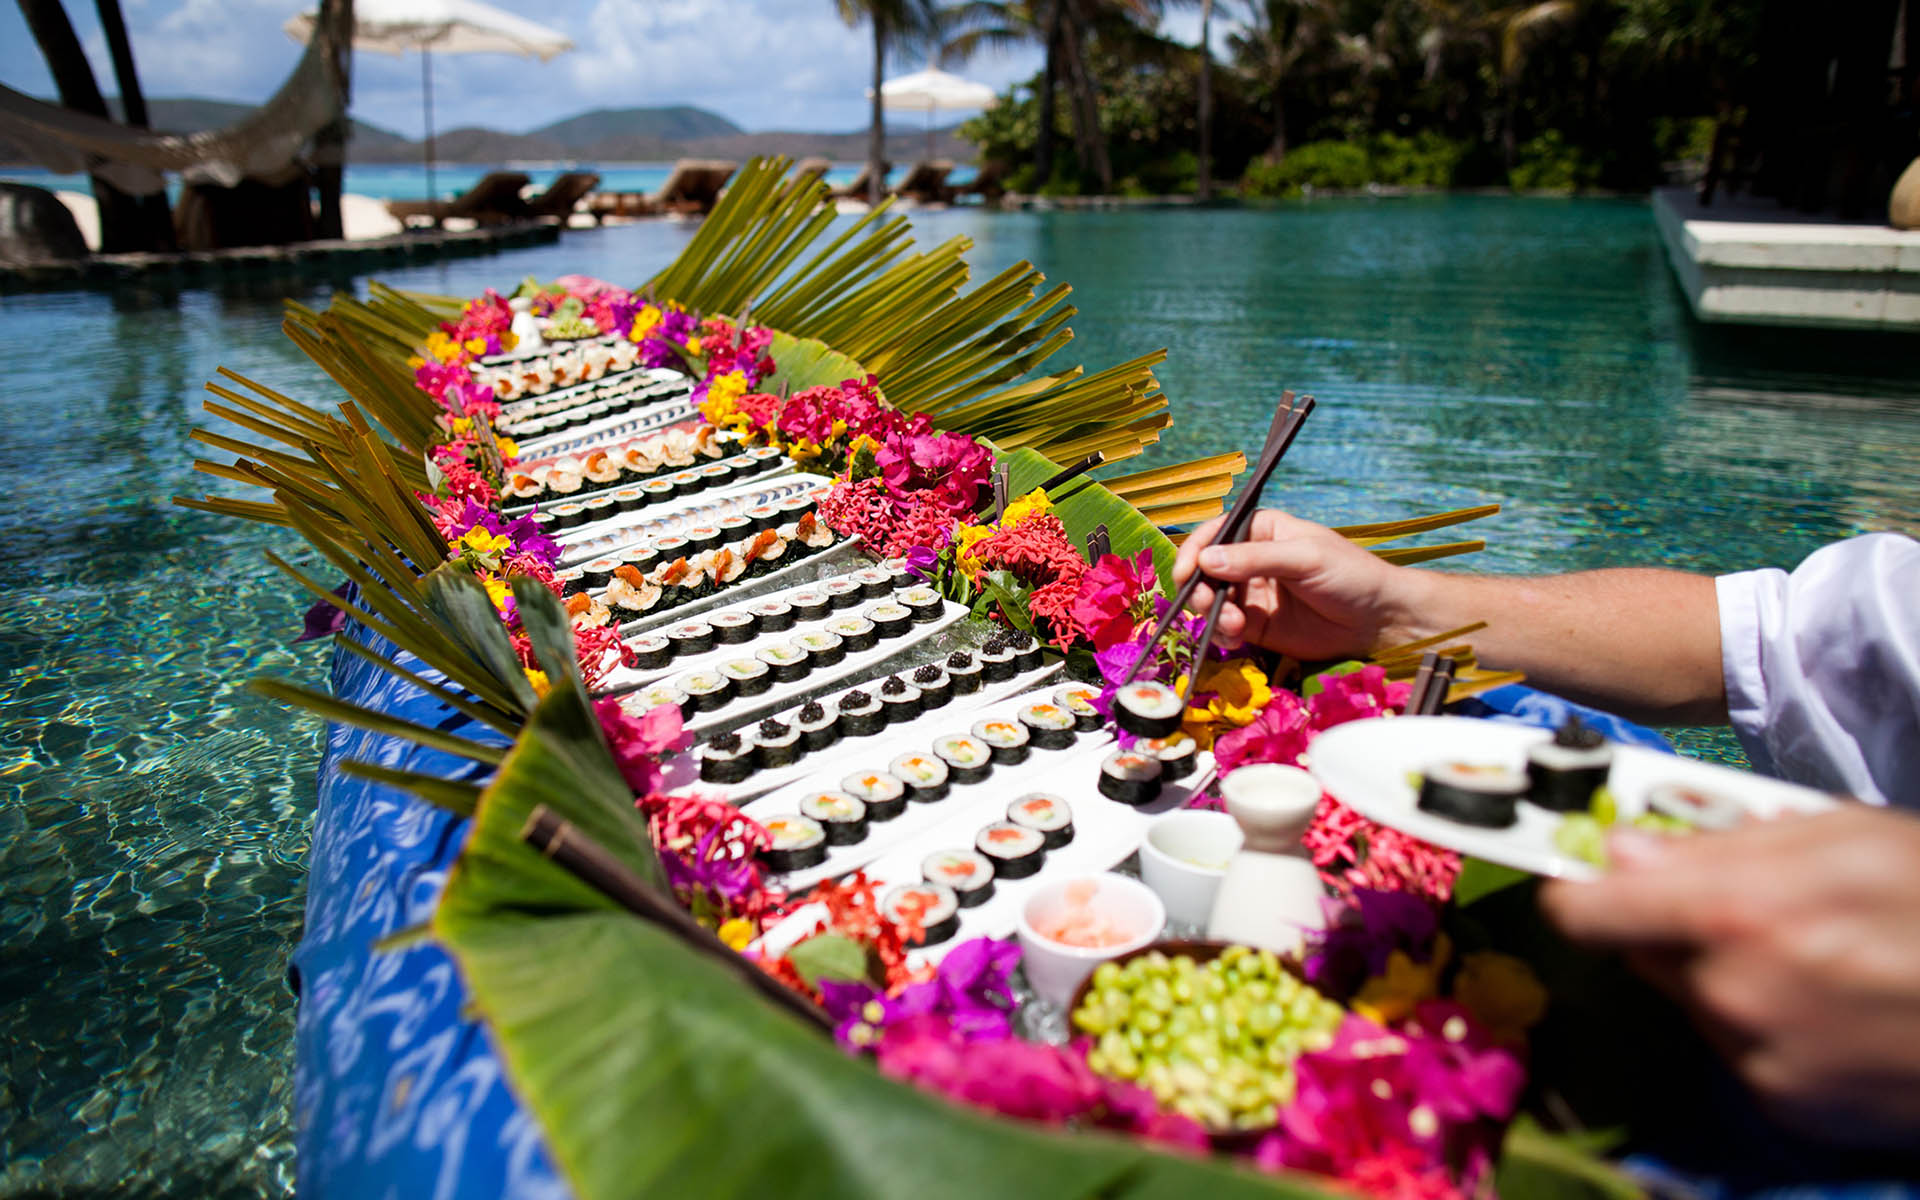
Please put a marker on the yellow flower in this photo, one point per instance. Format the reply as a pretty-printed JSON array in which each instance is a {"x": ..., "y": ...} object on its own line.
[
  {"x": 804, "y": 452},
  {"x": 476, "y": 345},
  {"x": 485, "y": 544},
  {"x": 497, "y": 592},
  {"x": 736, "y": 933},
  {"x": 1240, "y": 690},
  {"x": 643, "y": 323},
  {"x": 1501, "y": 992},
  {"x": 508, "y": 447},
  {"x": 461, "y": 425},
  {"x": 693, "y": 345},
  {"x": 443, "y": 347},
  {"x": 840, "y": 431},
  {"x": 965, "y": 538},
  {"x": 538, "y": 679},
  {"x": 415, "y": 362},
  {"x": 728, "y": 388},
  {"x": 509, "y": 339},
  {"x": 1033, "y": 504},
  {"x": 1392, "y": 997}
]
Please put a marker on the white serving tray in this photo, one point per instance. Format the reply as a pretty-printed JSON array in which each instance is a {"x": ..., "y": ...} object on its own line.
[
  {"x": 608, "y": 430},
  {"x": 841, "y": 759},
  {"x": 746, "y": 589},
  {"x": 1105, "y": 833},
  {"x": 584, "y": 543},
  {"x": 514, "y": 410}
]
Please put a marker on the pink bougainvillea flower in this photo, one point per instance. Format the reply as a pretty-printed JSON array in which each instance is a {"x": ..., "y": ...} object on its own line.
[
  {"x": 1357, "y": 695},
  {"x": 1278, "y": 735},
  {"x": 637, "y": 742},
  {"x": 1108, "y": 592}
]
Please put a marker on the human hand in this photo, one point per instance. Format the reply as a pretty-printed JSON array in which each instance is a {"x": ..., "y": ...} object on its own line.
[
  {"x": 1300, "y": 589},
  {"x": 1795, "y": 945}
]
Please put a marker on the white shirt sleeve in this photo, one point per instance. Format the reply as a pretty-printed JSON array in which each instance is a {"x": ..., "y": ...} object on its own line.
[{"x": 1823, "y": 667}]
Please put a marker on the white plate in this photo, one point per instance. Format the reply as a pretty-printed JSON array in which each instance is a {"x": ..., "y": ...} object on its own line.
[
  {"x": 584, "y": 543},
  {"x": 1366, "y": 764},
  {"x": 608, "y": 430},
  {"x": 1105, "y": 832},
  {"x": 743, "y": 590}
]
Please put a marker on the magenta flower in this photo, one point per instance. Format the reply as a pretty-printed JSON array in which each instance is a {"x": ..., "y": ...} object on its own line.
[
  {"x": 1278, "y": 735},
  {"x": 637, "y": 742},
  {"x": 1361, "y": 936},
  {"x": 1108, "y": 592},
  {"x": 1356, "y": 695},
  {"x": 971, "y": 990}
]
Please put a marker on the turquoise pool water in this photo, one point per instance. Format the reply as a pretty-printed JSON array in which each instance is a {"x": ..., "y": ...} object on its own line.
[{"x": 154, "y": 817}]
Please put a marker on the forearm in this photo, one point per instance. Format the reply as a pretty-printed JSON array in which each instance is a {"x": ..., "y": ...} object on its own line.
[{"x": 1641, "y": 642}]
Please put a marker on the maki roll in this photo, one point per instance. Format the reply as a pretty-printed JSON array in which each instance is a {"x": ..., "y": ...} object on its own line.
[
  {"x": 1008, "y": 740},
  {"x": 763, "y": 516},
  {"x": 1480, "y": 794},
  {"x": 692, "y": 637},
  {"x": 1177, "y": 754},
  {"x": 884, "y": 796},
  {"x": 772, "y": 616},
  {"x": 874, "y": 583},
  {"x": 596, "y": 573},
  {"x": 890, "y": 620},
  {"x": 599, "y": 508},
  {"x": 1014, "y": 850},
  {"x": 641, "y": 558},
  {"x": 1045, "y": 814},
  {"x": 857, "y": 632},
  {"x": 818, "y": 725},
  {"x": 996, "y": 659},
  {"x": 965, "y": 672},
  {"x": 844, "y": 817},
  {"x": 841, "y": 592},
  {"x": 936, "y": 686},
  {"x": 923, "y": 602},
  {"x": 707, "y": 690},
  {"x": 1048, "y": 726},
  {"x": 967, "y": 872},
  {"x": 728, "y": 758},
  {"x": 734, "y": 529},
  {"x": 571, "y": 579},
  {"x": 650, "y": 651},
  {"x": 715, "y": 475},
  {"x": 1131, "y": 777},
  {"x": 794, "y": 843},
  {"x": 703, "y": 537},
  {"x": 1149, "y": 709},
  {"x": 899, "y": 700},
  {"x": 749, "y": 676},
  {"x": 671, "y": 547},
  {"x": 968, "y": 759},
  {"x": 786, "y": 660},
  {"x": 810, "y": 604},
  {"x": 657, "y": 490},
  {"x": 1695, "y": 806},
  {"x": 1566, "y": 771},
  {"x": 686, "y": 483},
  {"x": 765, "y": 458},
  {"x": 1078, "y": 698},
  {"x": 776, "y": 744},
  {"x": 932, "y": 907},
  {"x": 627, "y": 499},
  {"x": 924, "y": 774},
  {"x": 823, "y": 649},
  {"x": 1026, "y": 650},
  {"x": 794, "y": 507},
  {"x": 568, "y": 515},
  {"x": 732, "y": 627},
  {"x": 642, "y": 702},
  {"x": 860, "y": 714}
]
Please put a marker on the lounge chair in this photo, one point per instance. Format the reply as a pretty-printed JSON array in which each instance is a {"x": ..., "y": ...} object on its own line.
[
  {"x": 988, "y": 183},
  {"x": 562, "y": 195},
  {"x": 857, "y": 190},
  {"x": 694, "y": 186},
  {"x": 816, "y": 167},
  {"x": 494, "y": 200},
  {"x": 926, "y": 183}
]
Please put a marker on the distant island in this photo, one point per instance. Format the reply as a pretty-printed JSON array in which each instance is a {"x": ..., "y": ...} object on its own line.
[{"x": 601, "y": 135}]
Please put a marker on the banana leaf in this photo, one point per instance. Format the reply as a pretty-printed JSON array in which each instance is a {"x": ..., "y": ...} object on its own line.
[
  {"x": 652, "y": 1071},
  {"x": 1083, "y": 503},
  {"x": 801, "y": 363}
]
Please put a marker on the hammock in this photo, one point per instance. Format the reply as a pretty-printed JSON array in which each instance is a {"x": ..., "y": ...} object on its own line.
[{"x": 133, "y": 160}]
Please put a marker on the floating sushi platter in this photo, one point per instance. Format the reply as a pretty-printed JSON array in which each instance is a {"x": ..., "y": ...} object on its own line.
[{"x": 1480, "y": 794}]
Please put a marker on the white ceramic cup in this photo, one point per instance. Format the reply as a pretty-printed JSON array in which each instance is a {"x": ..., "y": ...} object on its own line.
[
  {"x": 1176, "y": 845},
  {"x": 1055, "y": 969}
]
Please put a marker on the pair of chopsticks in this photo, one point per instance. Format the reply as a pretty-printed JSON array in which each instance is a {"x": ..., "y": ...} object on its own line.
[
  {"x": 1430, "y": 685},
  {"x": 1000, "y": 498},
  {"x": 1288, "y": 417}
]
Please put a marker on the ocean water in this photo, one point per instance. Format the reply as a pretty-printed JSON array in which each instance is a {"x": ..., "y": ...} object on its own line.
[{"x": 154, "y": 816}]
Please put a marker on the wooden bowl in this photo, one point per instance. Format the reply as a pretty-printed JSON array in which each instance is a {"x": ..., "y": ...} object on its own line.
[{"x": 1200, "y": 950}]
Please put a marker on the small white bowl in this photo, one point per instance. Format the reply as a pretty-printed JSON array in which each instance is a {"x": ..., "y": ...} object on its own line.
[
  {"x": 1056, "y": 969},
  {"x": 1171, "y": 858}
]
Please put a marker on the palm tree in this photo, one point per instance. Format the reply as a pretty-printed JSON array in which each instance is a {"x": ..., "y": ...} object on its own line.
[
  {"x": 1278, "y": 41},
  {"x": 898, "y": 24},
  {"x": 121, "y": 220},
  {"x": 1203, "y": 184}
]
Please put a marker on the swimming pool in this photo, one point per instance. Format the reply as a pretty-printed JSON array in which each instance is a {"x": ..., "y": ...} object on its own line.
[{"x": 154, "y": 819}]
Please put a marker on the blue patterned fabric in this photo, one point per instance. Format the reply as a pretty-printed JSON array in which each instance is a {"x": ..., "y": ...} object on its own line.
[{"x": 396, "y": 1093}]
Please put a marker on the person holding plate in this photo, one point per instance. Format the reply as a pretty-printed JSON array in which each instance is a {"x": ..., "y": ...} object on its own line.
[{"x": 1794, "y": 943}]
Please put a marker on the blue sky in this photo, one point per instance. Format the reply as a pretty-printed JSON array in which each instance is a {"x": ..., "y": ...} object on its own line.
[{"x": 765, "y": 64}]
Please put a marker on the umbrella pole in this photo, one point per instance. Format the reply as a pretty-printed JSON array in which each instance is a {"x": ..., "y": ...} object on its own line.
[
  {"x": 426, "y": 100},
  {"x": 929, "y": 133}
]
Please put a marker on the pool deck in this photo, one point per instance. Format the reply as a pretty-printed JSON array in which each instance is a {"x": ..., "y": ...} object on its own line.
[
  {"x": 316, "y": 258},
  {"x": 1746, "y": 260}
]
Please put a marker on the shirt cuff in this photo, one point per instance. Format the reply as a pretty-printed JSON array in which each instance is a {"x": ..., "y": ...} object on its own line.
[{"x": 1743, "y": 599}]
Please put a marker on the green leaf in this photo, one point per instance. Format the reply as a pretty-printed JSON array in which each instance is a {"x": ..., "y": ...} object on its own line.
[
  {"x": 1083, "y": 504},
  {"x": 1549, "y": 1166},
  {"x": 1317, "y": 682},
  {"x": 1011, "y": 596},
  {"x": 831, "y": 956},
  {"x": 801, "y": 363},
  {"x": 1479, "y": 878}
]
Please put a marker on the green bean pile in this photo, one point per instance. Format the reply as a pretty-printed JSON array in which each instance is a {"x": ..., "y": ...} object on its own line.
[{"x": 1213, "y": 1041}]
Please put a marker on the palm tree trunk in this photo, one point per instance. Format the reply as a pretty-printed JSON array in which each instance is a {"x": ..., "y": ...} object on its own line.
[
  {"x": 156, "y": 216},
  {"x": 877, "y": 133},
  {"x": 330, "y": 144},
  {"x": 1203, "y": 186},
  {"x": 1277, "y": 150},
  {"x": 1091, "y": 141},
  {"x": 120, "y": 221},
  {"x": 1043, "y": 138}
]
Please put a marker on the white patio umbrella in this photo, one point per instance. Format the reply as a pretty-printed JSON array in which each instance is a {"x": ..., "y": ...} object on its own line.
[
  {"x": 449, "y": 26},
  {"x": 932, "y": 91}
]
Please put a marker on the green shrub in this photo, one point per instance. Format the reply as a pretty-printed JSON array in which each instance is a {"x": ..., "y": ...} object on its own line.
[
  {"x": 1548, "y": 163},
  {"x": 1425, "y": 160}
]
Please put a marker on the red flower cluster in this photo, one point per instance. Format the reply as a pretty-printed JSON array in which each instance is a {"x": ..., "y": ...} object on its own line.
[
  {"x": 726, "y": 348},
  {"x": 1037, "y": 551}
]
